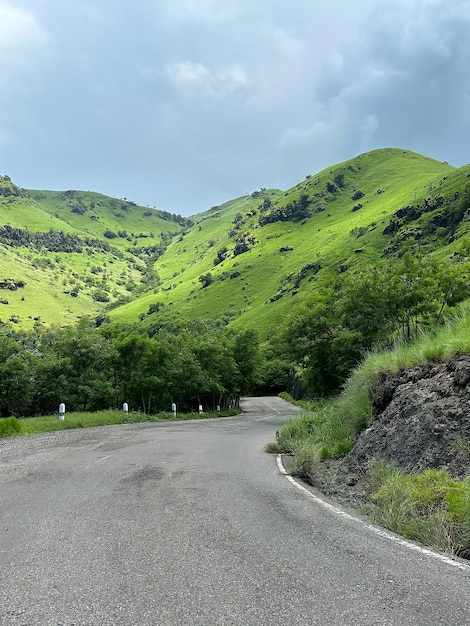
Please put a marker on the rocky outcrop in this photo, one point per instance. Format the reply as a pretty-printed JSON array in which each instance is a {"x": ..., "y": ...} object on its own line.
[{"x": 421, "y": 421}]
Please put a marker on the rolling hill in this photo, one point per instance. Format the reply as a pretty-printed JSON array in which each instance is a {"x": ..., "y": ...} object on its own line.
[
  {"x": 265, "y": 252},
  {"x": 68, "y": 254},
  {"x": 246, "y": 262}
]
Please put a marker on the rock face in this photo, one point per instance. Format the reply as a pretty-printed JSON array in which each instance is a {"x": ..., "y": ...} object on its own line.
[{"x": 422, "y": 421}]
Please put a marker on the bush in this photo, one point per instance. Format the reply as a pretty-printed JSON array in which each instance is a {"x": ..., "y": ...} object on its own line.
[
  {"x": 206, "y": 279},
  {"x": 100, "y": 296},
  {"x": 331, "y": 187},
  {"x": 243, "y": 244},
  {"x": 155, "y": 307},
  {"x": 357, "y": 195}
]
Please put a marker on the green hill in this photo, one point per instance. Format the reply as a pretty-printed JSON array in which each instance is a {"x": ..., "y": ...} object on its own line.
[
  {"x": 265, "y": 252},
  {"x": 246, "y": 262},
  {"x": 69, "y": 254}
]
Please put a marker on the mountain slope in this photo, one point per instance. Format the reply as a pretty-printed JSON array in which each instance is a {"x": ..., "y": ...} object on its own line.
[
  {"x": 68, "y": 254},
  {"x": 330, "y": 222},
  {"x": 246, "y": 262}
]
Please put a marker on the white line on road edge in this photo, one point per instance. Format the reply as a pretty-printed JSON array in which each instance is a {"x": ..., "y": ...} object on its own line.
[{"x": 375, "y": 529}]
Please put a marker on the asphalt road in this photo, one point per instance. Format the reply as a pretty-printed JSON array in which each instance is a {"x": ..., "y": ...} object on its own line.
[{"x": 192, "y": 523}]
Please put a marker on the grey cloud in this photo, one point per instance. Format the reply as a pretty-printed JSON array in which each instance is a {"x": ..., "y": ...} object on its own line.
[
  {"x": 23, "y": 46},
  {"x": 183, "y": 103},
  {"x": 406, "y": 84}
]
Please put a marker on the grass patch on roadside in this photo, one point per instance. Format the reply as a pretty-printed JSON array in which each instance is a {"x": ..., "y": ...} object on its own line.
[
  {"x": 12, "y": 426},
  {"x": 303, "y": 404},
  {"x": 430, "y": 507},
  {"x": 9, "y": 426},
  {"x": 315, "y": 435}
]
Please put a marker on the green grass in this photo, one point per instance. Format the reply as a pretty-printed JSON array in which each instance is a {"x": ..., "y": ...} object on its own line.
[
  {"x": 33, "y": 425},
  {"x": 321, "y": 433},
  {"x": 264, "y": 272},
  {"x": 304, "y": 404},
  {"x": 9, "y": 426},
  {"x": 249, "y": 300},
  {"x": 430, "y": 507}
]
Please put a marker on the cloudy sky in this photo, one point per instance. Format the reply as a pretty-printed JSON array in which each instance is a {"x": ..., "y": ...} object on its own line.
[{"x": 183, "y": 104}]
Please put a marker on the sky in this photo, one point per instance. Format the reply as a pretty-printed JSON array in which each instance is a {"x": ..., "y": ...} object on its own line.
[{"x": 185, "y": 104}]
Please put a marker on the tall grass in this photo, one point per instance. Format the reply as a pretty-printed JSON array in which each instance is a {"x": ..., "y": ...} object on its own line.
[
  {"x": 430, "y": 507},
  {"x": 9, "y": 426},
  {"x": 318, "y": 434}
]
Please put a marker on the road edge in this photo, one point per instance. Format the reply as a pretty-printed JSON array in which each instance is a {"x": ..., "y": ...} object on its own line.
[{"x": 375, "y": 529}]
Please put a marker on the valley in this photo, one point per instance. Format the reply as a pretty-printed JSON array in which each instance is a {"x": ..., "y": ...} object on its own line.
[{"x": 263, "y": 253}]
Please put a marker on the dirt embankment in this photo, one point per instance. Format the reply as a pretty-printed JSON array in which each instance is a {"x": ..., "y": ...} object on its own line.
[{"x": 421, "y": 421}]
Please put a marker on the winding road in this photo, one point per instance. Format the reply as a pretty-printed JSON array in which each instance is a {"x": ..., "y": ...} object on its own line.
[{"x": 192, "y": 523}]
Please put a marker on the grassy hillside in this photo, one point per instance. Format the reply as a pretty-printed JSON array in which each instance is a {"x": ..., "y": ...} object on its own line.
[
  {"x": 246, "y": 262},
  {"x": 67, "y": 254},
  {"x": 349, "y": 207}
]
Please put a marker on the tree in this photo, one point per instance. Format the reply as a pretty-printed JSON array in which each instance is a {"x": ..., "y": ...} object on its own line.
[
  {"x": 133, "y": 370},
  {"x": 85, "y": 357},
  {"x": 367, "y": 306},
  {"x": 416, "y": 293},
  {"x": 246, "y": 354},
  {"x": 205, "y": 279},
  {"x": 328, "y": 334},
  {"x": 16, "y": 367},
  {"x": 317, "y": 340}
]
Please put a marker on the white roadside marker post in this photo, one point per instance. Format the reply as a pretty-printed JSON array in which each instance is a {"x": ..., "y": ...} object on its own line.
[
  {"x": 173, "y": 409},
  {"x": 62, "y": 411},
  {"x": 125, "y": 408},
  {"x": 200, "y": 410}
]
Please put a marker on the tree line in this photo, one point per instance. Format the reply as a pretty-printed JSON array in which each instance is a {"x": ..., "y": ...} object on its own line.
[{"x": 91, "y": 368}]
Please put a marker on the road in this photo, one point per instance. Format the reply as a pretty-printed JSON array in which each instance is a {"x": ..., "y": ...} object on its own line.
[{"x": 192, "y": 523}]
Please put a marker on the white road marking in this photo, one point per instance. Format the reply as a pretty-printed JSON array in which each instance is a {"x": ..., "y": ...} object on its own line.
[
  {"x": 103, "y": 458},
  {"x": 263, "y": 419},
  {"x": 272, "y": 408},
  {"x": 378, "y": 531}
]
